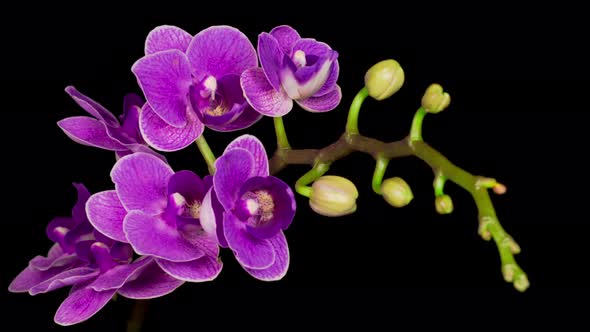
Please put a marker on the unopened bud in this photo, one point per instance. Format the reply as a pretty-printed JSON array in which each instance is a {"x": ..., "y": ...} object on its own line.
[
  {"x": 434, "y": 99},
  {"x": 384, "y": 79},
  {"x": 444, "y": 204},
  {"x": 396, "y": 192},
  {"x": 499, "y": 189},
  {"x": 333, "y": 196}
]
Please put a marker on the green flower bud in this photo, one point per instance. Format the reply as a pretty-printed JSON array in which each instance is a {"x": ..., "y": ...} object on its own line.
[
  {"x": 444, "y": 204},
  {"x": 396, "y": 192},
  {"x": 384, "y": 79},
  {"x": 434, "y": 99},
  {"x": 333, "y": 196}
]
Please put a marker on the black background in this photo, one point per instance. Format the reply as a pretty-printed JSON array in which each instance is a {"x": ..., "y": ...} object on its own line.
[{"x": 516, "y": 76}]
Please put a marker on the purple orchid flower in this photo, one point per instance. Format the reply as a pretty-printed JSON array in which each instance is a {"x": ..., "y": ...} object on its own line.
[
  {"x": 103, "y": 130},
  {"x": 96, "y": 266},
  {"x": 293, "y": 68},
  {"x": 191, "y": 82},
  {"x": 248, "y": 209},
  {"x": 157, "y": 211}
]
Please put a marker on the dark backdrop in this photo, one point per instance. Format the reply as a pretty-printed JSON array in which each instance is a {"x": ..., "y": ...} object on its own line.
[{"x": 517, "y": 114}]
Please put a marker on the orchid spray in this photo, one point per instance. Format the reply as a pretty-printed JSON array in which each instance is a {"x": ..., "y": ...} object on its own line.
[{"x": 157, "y": 228}]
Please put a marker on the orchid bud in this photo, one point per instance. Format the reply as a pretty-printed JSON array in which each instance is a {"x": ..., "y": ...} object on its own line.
[
  {"x": 396, "y": 192},
  {"x": 434, "y": 99},
  {"x": 384, "y": 79},
  {"x": 333, "y": 196},
  {"x": 444, "y": 204}
]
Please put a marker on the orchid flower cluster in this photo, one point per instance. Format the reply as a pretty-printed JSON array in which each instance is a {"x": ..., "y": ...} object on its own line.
[{"x": 159, "y": 228}]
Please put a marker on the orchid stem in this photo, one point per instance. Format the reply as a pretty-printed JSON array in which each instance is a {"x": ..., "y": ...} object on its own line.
[
  {"x": 207, "y": 153},
  {"x": 352, "y": 126},
  {"x": 439, "y": 184},
  {"x": 139, "y": 310},
  {"x": 380, "y": 169},
  {"x": 301, "y": 186},
  {"x": 416, "y": 130},
  {"x": 282, "y": 141}
]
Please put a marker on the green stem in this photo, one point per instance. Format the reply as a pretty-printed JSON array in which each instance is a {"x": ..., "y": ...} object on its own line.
[
  {"x": 282, "y": 141},
  {"x": 416, "y": 130},
  {"x": 352, "y": 126},
  {"x": 489, "y": 225},
  {"x": 439, "y": 184},
  {"x": 380, "y": 169},
  {"x": 139, "y": 310},
  {"x": 301, "y": 186},
  {"x": 207, "y": 153}
]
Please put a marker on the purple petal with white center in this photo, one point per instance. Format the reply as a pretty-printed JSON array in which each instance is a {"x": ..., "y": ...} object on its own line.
[
  {"x": 141, "y": 180},
  {"x": 150, "y": 283},
  {"x": 164, "y": 137},
  {"x": 88, "y": 131},
  {"x": 205, "y": 268},
  {"x": 323, "y": 103},
  {"x": 271, "y": 58},
  {"x": 151, "y": 235},
  {"x": 235, "y": 113},
  {"x": 93, "y": 108},
  {"x": 250, "y": 251},
  {"x": 256, "y": 148},
  {"x": 306, "y": 81},
  {"x": 66, "y": 278},
  {"x": 82, "y": 304},
  {"x": 261, "y": 95},
  {"x": 233, "y": 168},
  {"x": 164, "y": 78},
  {"x": 167, "y": 37},
  {"x": 79, "y": 209},
  {"x": 320, "y": 51},
  {"x": 286, "y": 36},
  {"x": 29, "y": 277},
  {"x": 219, "y": 51},
  {"x": 189, "y": 185},
  {"x": 43, "y": 264},
  {"x": 283, "y": 206},
  {"x": 118, "y": 275},
  {"x": 106, "y": 214},
  {"x": 212, "y": 217},
  {"x": 281, "y": 264}
]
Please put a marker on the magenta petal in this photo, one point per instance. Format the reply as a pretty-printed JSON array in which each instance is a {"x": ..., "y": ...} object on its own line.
[
  {"x": 233, "y": 169},
  {"x": 219, "y": 51},
  {"x": 88, "y": 131},
  {"x": 82, "y": 304},
  {"x": 330, "y": 81},
  {"x": 165, "y": 78},
  {"x": 167, "y": 37},
  {"x": 141, "y": 180},
  {"x": 79, "y": 209},
  {"x": 286, "y": 36},
  {"x": 93, "y": 108},
  {"x": 66, "y": 278},
  {"x": 164, "y": 137},
  {"x": 205, "y": 268},
  {"x": 118, "y": 275},
  {"x": 42, "y": 264},
  {"x": 324, "y": 103},
  {"x": 281, "y": 264},
  {"x": 261, "y": 95},
  {"x": 271, "y": 58},
  {"x": 150, "y": 283},
  {"x": 256, "y": 148},
  {"x": 106, "y": 214},
  {"x": 250, "y": 251},
  {"x": 151, "y": 235},
  {"x": 31, "y": 277}
]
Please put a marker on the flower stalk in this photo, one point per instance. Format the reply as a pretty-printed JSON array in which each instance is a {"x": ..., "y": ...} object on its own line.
[{"x": 207, "y": 153}]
